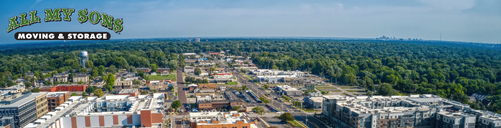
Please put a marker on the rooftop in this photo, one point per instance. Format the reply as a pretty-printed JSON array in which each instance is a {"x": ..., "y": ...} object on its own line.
[
  {"x": 21, "y": 100},
  {"x": 210, "y": 118},
  {"x": 115, "y": 105},
  {"x": 127, "y": 91}
]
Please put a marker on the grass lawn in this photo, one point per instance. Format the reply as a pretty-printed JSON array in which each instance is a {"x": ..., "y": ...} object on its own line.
[
  {"x": 335, "y": 91},
  {"x": 249, "y": 77},
  {"x": 355, "y": 90},
  {"x": 230, "y": 83},
  {"x": 309, "y": 110},
  {"x": 158, "y": 77},
  {"x": 295, "y": 123},
  {"x": 321, "y": 88},
  {"x": 349, "y": 87}
]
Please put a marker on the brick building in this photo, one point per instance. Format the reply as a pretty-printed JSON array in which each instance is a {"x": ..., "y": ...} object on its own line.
[
  {"x": 55, "y": 99},
  {"x": 65, "y": 87},
  {"x": 146, "y": 70}
]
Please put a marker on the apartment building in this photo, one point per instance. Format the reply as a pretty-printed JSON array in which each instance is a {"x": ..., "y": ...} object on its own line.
[
  {"x": 423, "y": 111},
  {"x": 55, "y": 99},
  {"x": 109, "y": 111}
]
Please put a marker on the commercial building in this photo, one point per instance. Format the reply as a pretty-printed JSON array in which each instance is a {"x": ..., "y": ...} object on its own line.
[
  {"x": 424, "y": 111},
  {"x": 215, "y": 104},
  {"x": 65, "y": 87},
  {"x": 18, "y": 110},
  {"x": 129, "y": 92},
  {"x": 110, "y": 111},
  {"x": 159, "y": 85},
  {"x": 314, "y": 102},
  {"x": 231, "y": 119},
  {"x": 288, "y": 90},
  {"x": 55, "y": 99}
]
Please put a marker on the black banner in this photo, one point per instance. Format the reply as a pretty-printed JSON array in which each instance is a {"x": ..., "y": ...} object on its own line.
[{"x": 62, "y": 36}]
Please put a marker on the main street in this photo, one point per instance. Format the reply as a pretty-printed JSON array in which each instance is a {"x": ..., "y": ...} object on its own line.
[{"x": 275, "y": 100}]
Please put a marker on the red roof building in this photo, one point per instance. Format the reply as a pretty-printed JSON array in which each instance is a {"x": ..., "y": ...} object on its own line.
[{"x": 65, "y": 87}]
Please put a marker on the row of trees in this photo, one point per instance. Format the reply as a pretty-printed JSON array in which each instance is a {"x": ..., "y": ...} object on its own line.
[{"x": 449, "y": 70}]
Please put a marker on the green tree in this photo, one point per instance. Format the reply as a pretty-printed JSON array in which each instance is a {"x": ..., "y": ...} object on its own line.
[
  {"x": 142, "y": 74},
  {"x": 95, "y": 73},
  {"x": 136, "y": 82},
  {"x": 112, "y": 69},
  {"x": 387, "y": 90},
  {"x": 286, "y": 117},
  {"x": 236, "y": 108},
  {"x": 35, "y": 90},
  {"x": 90, "y": 64},
  {"x": 258, "y": 110},
  {"x": 153, "y": 67},
  {"x": 264, "y": 100},
  {"x": 84, "y": 94},
  {"x": 74, "y": 94},
  {"x": 176, "y": 104},
  {"x": 173, "y": 65},
  {"x": 101, "y": 70},
  {"x": 98, "y": 92},
  {"x": 47, "y": 83},
  {"x": 198, "y": 71},
  {"x": 110, "y": 82},
  {"x": 27, "y": 85}
]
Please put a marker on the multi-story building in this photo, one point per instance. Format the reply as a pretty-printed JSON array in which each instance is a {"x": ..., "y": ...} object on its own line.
[
  {"x": 18, "y": 110},
  {"x": 58, "y": 79},
  {"x": 110, "y": 111},
  {"x": 41, "y": 104},
  {"x": 81, "y": 77},
  {"x": 55, "y": 99},
  {"x": 119, "y": 84},
  {"x": 146, "y": 70},
  {"x": 161, "y": 70},
  {"x": 159, "y": 84},
  {"x": 231, "y": 119},
  {"x": 65, "y": 87},
  {"x": 314, "y": 102},
  {"x": 423, "y": 111}
]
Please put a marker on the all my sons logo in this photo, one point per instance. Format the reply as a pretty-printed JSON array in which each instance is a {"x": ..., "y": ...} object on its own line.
[{"x": 51, "y": 15}]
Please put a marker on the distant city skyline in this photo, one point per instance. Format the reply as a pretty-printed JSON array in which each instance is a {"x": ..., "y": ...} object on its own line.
[{"x": 448, "y": 20}]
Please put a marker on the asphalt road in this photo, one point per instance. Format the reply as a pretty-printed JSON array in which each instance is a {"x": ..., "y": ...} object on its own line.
[{"x": 181, "y": 94}]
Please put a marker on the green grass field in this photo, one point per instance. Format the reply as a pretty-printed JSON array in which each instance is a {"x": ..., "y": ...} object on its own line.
[
  {"x": 295, "y": 123},
  {"x": 321, "y": 88},
  {"x": 230, "y": 83},
  {"x": 349, "y": 87},
  {"x": 158, "y": 77},
  {"x": 355, "y": 90}
]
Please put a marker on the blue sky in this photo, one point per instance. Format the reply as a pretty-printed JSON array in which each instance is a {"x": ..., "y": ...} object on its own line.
[{"x": 457, "y": 20}]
